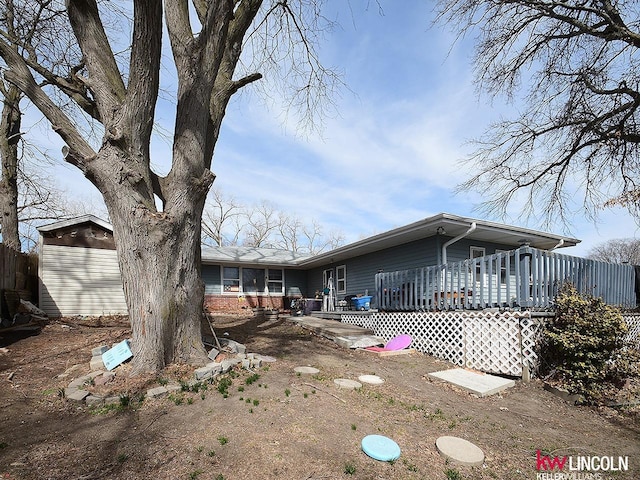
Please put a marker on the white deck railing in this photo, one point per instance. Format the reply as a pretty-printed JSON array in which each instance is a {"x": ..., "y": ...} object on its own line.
[{"x": 525, "y": 278}]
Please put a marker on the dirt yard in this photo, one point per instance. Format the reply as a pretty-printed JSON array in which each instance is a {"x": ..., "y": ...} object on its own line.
[{"x": 280, "y": 424}]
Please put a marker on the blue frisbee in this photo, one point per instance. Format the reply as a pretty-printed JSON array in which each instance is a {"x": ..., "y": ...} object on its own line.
[{"x": 380, "y": 448}]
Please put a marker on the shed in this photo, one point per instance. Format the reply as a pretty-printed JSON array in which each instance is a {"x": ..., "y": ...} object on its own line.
[{"x": 78, "y": 269}]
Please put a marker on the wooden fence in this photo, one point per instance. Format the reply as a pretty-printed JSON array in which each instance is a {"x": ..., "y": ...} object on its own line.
[
  {"x": 525, "y": 278},
  {"x": 19, "y": 274}
]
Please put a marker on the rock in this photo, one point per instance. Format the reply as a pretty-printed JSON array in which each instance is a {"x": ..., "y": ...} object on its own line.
[
  {"x": 97, "y": 351},
  {"x": 93, "y": 400},
  {"x": 232, "y": 345},
  {"x": 213, "y": 353},
  {"x": 77, "y": 395},
  {"x": 96, "y": 363},
  {"x": 157, "y": 392},
  {"x": 229, "y": 363}
]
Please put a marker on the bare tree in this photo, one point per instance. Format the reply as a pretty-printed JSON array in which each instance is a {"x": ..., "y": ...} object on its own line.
[
  {"x": 618, "y": 250},
  {"x": 262, "y": 221},
  {"x": 9, "y": 138},
  {"x": 28, "y": 198},
  {"x": 578, "y": 67},
  {"x": 220, "y": 216},
  {"x": 159, "y": 247}
]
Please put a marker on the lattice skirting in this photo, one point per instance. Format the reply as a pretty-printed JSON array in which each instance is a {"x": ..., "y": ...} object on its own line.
[
  {"x": 633, "y": 335},
  {"x": 495, "y": 342}
]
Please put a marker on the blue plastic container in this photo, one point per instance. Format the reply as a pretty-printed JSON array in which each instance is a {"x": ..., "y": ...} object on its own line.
[{"x": 361, "y": 303}]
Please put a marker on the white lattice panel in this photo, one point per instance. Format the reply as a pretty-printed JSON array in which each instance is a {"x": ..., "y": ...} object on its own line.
[
  {"x": 496, "y": 342},
  {"x": 633, "y": 335}
]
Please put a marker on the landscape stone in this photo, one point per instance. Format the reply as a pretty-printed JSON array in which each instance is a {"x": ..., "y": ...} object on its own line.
[
  {"x": 80, "y": 381},
  {"x": 255, "y": 363},
  {"x": 93, "y": 400},
  {"x": 246, "y": 363},
  {"x": 96, "y": 363},
  {"x": 203, "y": 373},
  {"x": 213, "y": 353},
  {"x": 157, "y": 392},
  {"x": 347, "y": 383},
  {"x": 265, "y": 358},
  {"x": 460, "y": 451},
  {"x": 229, "y": 363},
  {"x": 232, "y": 345},
  {"x": 371, "y": 379},
  {"x": 77, "y": 395},
  {"x": 97, "y": 351},
  {"x": 112, "y": 401},
  {"x": 173, "y": 387},
  {"x": 306, "y": 370}
]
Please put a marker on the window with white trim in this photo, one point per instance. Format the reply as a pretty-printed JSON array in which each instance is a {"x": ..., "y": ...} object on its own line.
[
  {"x": 230, "y": 279},
  {"x": 502, "y": 261},
  {"x": 341, "y": 279},
  {"x": 252, "y": 281},
  {"x": 275, "y": 281},
  {"x": 477, "y": 252}
]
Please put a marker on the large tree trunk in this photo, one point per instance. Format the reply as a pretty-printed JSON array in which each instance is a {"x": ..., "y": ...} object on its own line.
[
  {"x": 9, "y": 138},
  {"x": 159, "y": 258}
]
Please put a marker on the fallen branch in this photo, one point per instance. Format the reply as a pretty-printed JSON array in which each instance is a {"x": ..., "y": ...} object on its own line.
[{"x": 324, "y": 391}]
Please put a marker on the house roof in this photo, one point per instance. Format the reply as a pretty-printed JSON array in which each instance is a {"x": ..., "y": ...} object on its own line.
[
  {"x": 452, "y": 226},
  {"x": 448, "y": 224},
  {"x": 76, "y": 221},
  {"x": 251, "y": 255}
]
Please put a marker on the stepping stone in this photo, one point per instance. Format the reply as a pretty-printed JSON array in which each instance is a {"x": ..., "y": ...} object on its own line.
[
  {"x": 460, "y": 451},
  {"x": 371, "y": 379},
  {"x": 479, "y": 384},
  {"x": 306, "y": 370},
  {"x": 346, "y": 383}
]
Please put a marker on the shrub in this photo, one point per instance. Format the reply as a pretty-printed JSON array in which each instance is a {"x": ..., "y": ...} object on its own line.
[{"x": 583, "y": 346}]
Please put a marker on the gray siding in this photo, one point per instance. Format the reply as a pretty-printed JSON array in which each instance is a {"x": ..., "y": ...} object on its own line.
[
  {"x": 80, "y": 281},
  {"x": 361, "y": 270}
]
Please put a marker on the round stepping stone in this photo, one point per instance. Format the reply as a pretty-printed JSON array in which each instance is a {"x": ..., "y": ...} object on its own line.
[
  {"x": 371, "y": 379},
  {"x": 460, "y": 451},
  {"x": 346, "y": 383},
  {"x": 307, "y": 370},
  {"x": 380, "y": 448}
]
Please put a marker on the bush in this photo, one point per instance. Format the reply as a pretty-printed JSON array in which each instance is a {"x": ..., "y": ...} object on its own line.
[{"x": 584, "y": 348}]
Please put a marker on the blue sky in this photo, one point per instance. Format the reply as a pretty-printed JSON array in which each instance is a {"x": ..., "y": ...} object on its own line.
[{"x": 390, "y": 153}]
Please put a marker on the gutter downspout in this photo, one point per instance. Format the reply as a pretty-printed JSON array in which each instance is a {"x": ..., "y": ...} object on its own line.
[
  {"x": 454, "y": 240},
  {"x": 558, "y": 245}
]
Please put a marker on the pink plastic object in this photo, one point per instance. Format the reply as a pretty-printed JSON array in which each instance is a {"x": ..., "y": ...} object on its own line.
[{"x": 396, "y": 343}]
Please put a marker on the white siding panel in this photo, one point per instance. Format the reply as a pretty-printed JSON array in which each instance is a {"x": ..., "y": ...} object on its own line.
[{"x": 80, "y": 281}]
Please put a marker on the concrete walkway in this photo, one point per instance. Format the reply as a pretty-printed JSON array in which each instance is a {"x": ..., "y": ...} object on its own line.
[{"x": 332, "y": 329}]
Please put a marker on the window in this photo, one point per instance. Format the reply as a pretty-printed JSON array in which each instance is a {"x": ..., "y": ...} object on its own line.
[
  {"x": 502, "y": 262},
  {"x": 275, "y": 279},
  {"x": 253, "y": 280},
  {"x": 341, "y": 279},
  {"x": 476, "y": 252},
  {"x": 230, "y": 279}
]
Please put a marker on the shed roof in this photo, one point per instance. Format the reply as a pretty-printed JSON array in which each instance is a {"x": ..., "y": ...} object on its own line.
[{"x": 76, "y": 221}]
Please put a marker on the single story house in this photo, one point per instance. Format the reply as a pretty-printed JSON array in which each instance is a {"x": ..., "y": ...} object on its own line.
[{"x": 79, "y": 275}]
